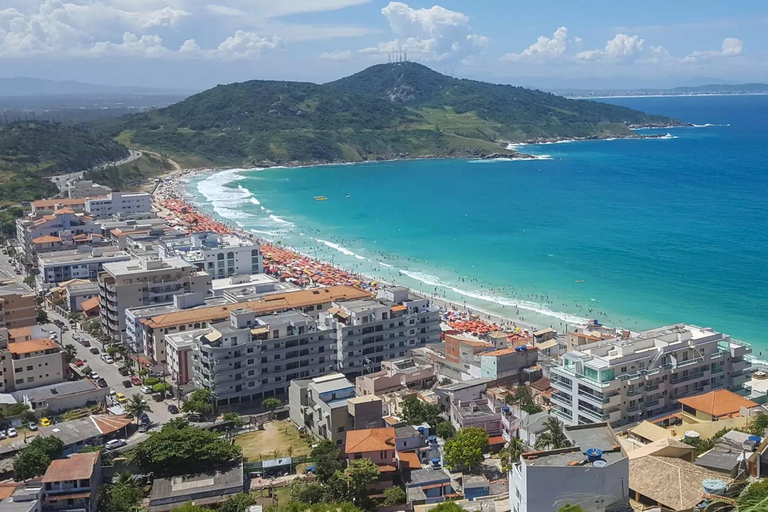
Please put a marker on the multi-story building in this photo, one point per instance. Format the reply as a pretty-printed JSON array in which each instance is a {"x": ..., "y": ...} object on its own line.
[
  {"x": 395, "y": 375},
  {"x": 52, "y": 231},
  {"x": 85, "y": 188},
  {"x": 641, "y": 375},
  {"x": 17, "y": 305},
  {"x": 118, "y": 203},
  {"x": 219, "y": 255},
  {"x": 246, "y": 357},
  {"x": 141, "y": 282},
  {"x": 372, "y": 330},
  {"x": 311, "y": 302},
  {"x": 30, "y": 363},
  {"x": 179, "y": 354},
  {"x": 82, "y": 263},
  {"x": 73, "y": 483},
  {"x": 593, "y": 472},
  {"x": 506, "y": 366},
  {"x": 47, "y": 206},
  {"x": 328, "y": 407},
  {"x": 70, "y": 295}
]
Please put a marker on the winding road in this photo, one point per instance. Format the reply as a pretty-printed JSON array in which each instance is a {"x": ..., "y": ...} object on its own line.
[{"x": 61, "y": 180}]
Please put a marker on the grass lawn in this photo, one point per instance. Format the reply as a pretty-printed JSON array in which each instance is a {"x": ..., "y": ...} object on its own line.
[{"x": 277, "y": 436}]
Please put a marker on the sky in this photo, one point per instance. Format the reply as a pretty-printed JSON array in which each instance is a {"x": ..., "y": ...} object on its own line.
[{"x": 196, "y": 44}]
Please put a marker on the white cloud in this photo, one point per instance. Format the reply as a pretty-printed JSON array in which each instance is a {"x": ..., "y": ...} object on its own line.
[
  {"x": 731, "y": 47},
  {"x": 545, "y": 48},
  {"x": 621, "y": 47},
  {"x": 339, "y": 55},
  {"x": 131, "y": 45},
  {"x": 245, "y": 45},
  {"x": 430, "y": 34}
]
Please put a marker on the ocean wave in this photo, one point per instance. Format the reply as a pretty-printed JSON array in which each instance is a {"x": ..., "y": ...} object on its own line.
[
  {"x": 505, "y": 159},
  {"x": 666, "y": 137},
  {"x": 223, "y": 198},
  {"x": 280, "y": 220},
  {"x": 253, "y": 200},
  {"x": 385, "y": 264},
  {"x": 340, "y": 248}
]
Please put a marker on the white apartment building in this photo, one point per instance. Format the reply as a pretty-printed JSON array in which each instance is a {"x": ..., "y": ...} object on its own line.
[
  {"x": 142, "y": 282},
  {"x": 179, "y": 354},
  {"x": 81, "y": 263},
  {"x": 118, "y": 203},
  {"x": 248, "y": 357},
  {"x": 593, "y": 473},
  {"x": 369, "y": 331},
  {"x": 641, "y": 375},
  {"x": 220, "y": 255},
  {"x": 51, "y": 232},
  {"x": 86, "y": 188},
  {"x": 30, "y": 363}
]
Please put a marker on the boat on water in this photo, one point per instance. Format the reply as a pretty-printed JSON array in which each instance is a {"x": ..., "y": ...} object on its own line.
[
  {"x": 579, "y": 280},
  {"x": 348, "y": 195},
  {"x": 321, "y": 198}
]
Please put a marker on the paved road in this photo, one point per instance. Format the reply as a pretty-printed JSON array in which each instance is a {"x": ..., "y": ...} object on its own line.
[{"x": 61, "y": 180}]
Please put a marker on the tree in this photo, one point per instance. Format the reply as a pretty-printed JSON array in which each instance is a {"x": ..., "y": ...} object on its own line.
[
  {"x": 238, "y": 503},
  {"x": 511, "y": 453},
  {"x": 447, "y": 506},
  {"x": 124, "y": 495},
  {"x": 35, "y": 459},
  {"x": 327, "y": 461},
  {"x": 199, "y": 401},
  {"x": 757, "y": 425},
  {"x": 361, "y": 473},
  {"x": 394, "y": 495},
  {"x": 42, "y": 317},
  {"x": 151, "y": 381},
  {"x": 465, "y": 449},
  {"x": 522, "y": 397},
  {"x": 309, "y": 492},
  {"x": 113, "y": 350},
  {"x": 29, "y": 281},
  {"x": 416, "y": 412},
  {"x": 445, "y": 430},
  {"x": 237, "y": 420},
  {"x": 189, "y": 507},
  {"x": 162, "y": 388},
  {"x": 270, "y": 404},
  {"x": 179, "y": 448},
  {"x": 754, "y": 495},
  {"x": 136, "y": 405},
  {"x": 553, "y": 437},
  {"x": 70, "y": 352}
]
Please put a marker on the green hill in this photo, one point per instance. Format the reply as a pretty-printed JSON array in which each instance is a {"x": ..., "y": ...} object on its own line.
[
  {"x": 30, "y": 152},
  {"x": 385, "y": 111}
]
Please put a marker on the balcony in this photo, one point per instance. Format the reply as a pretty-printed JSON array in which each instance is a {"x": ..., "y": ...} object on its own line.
[
  {"x": 690, "y": 362},
  {"x": 597, "y": 417},
  {"x": 561, "y": 400},
  {"x": 687, "y": 378},
  {"x": 652, "y": 387},
  {"x": 740, "y": 366},
  {"x": 564, "y": 416}
]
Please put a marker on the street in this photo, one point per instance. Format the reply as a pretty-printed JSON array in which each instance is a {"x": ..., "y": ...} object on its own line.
[{"x": 61, "y": 180}]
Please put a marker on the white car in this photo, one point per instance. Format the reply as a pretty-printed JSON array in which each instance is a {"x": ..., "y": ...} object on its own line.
[
  {"x": 94, "y": 376},
  {"x": 115, "y": 443},
  {"x": 112, "y": 392},
  {"x": 109, "y": 360},
  {"x": 3, "y": 434},
  {"x": 146, "y": 389},
  {"x": 12, "y": 432}
]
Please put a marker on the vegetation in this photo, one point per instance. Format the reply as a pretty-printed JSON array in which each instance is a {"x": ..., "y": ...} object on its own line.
[
  {"x": 756, "y": 495},
  {"x": 704, "y": 445},
  {"x": 37, "y": 456},
  {"x": 571, "y": 508},
  {"x": 757, "y": 425},
  {"x": 327, "y": 462},
  {"x": 234, "y": 418},
  {"x": 128, "y": 176},
  {"x": 416, "y": 412},
  {"x": 30, "y": 152},
  {"x": 200, "y": 401},
  {"x": 238, "y": 503},
  {"x": 554, "y": 437},
  {"x": 511, "y": 453},
  {"x": 280, "y": 437},
  {"x": 190, "y": 507},
  {"x": 445, "y": 430},
  {"x": 270, "y": 404},
  {"x": 124, "y": 495},
  {"x": 137, "y": 406},
  {"x": 522, "y": 397},
  {"x": 179, "y": 447},
  {"x": 465, "y": 449},
  {"x": 320, "y": 507},
  {"x": 384, "y": 111},
  {"x": 394, "y": 495},
  {"x": 163, "y": 388},
  {"x": 447, "y": 506}
]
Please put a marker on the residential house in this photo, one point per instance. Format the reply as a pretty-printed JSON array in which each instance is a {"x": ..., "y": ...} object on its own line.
[
  {"x": 377, "y": 445},
  {"x": 715, "y": 405},
  {"x": 396, "y": 374},
  {"x": 73, "y": 483},
  {"x": 203, "y": 489},
  {"x": 428, "y": 486},
  {"x": 17, "y": 305}
]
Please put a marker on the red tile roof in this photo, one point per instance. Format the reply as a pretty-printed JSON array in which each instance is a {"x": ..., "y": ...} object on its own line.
[
  {"x": 79, "y": 466},
  {"x": 28, "y": 346},
  {"x": 718, "y": 403},
  {"x": 370, "y": 440}
]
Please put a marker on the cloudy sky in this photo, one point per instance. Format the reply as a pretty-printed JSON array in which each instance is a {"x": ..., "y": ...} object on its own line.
[{"x": 194, "y": 44}]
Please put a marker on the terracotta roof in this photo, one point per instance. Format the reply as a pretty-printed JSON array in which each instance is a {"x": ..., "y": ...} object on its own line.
[
  {"x": 265, "y": 305},
  {"x": 26, "y": 347},
  {"x": 370, "y": 440},
  {"x": 90, "y": 304},
  {"x": 718, "y": 403},
  {"x": 62, "y": 211},
  {"x": 399, "y": 307},
  {"x": 46, "y": 239},
  {"x": 79, "y": 466},
  {"x": 541, "y": 384},
  {"x": 496, "y": 440},
  {"x": 7, "y": 489},
  {"x": 46, "y": 203},
  {"x": 19, "y": 333},
  {"x": 673, "y": 483},
  {"x": 409, "y": 460},
  {"x": 505, "y": 351},
  {"x": 42, "y": 220},
  {"x": 107, "y": 423},
  {"x": 386, "y": 468}
]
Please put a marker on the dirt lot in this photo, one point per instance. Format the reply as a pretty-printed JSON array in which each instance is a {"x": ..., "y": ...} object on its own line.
[{"x": 279, "y": 436}]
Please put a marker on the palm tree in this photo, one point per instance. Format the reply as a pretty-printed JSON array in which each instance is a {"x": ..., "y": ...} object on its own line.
[
  {"x": 554, "y": 437},
  {"x": 289, "y": 451},
  {"x": 511, "y": 453},
  {"x": 136, "y": 405},
  {"x": 70, "y": 352}
]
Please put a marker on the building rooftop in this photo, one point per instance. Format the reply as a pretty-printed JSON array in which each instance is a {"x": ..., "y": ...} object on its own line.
[
  {"x": 332, "y": 382},
  {"x": 13, "y": 288},
  {"x": 50, "y": 203},
  {"x": 583, "y": 438},
  {"x": 458, "y": 386},
  {"x": 169, "y": 493},
  {"x": 79, "y": 466},
  {"x": 42, "y": 393},
  {"x": 143, "y": 265},
  {"x": 406, "y": 431},
  {"x": 76, "y": 255},
  {"x": 428, "y": 476},
  {"x": 266, "y": 304},
  {"x": 89, "y": 304},
  {"x": 718, "y": 403},
  {"x": 29, "y": 346},
  {"x": 370, "y": 440},
  {"x": 77, "y": 431},
  {"x": 729, "y": 452}
]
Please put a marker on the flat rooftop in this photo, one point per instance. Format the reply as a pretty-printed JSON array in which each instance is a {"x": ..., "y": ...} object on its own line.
[
  {"x": 168, "y": 307},
  {"x": 583, "y": 438},
  {"x": 74, "y": 256},
  {"x": 139, "y": 266},
  {"x": 11, "y": 288}
]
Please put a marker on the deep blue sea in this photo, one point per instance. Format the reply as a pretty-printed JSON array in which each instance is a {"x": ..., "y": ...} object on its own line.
[{"x": 635, "y": 233}]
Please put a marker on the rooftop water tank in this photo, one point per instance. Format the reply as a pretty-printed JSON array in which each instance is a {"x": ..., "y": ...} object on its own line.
[
  {"x": 594, "y": 454},
  {"x": 599, "y": 463},
  {"x": 421, "y": 430},
  {"x": 755, "y": 439},
  {"x": 505, "y": 408},
  {"x": 714, "y": 486},
  {"x": 692, "y": 434},
  {"x": 436, "y": 462}
]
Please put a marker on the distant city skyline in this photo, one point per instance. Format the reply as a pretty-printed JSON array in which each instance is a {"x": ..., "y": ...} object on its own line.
[{"x": 195, "y": 44}]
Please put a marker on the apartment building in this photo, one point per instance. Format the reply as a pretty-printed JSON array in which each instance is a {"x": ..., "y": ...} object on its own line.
[
  {"x": 248, "y": 357},
  {"x": 642, "y": 375},
  {"x": 17, "y": 305},
  {"x": 141, "y": 282},
  {"x": 593, "y": 472},
  {"x": 78, "y": 189},
  {"x": 52, "y": 232},
  {"x": 47, "y": 206},
  {"x": 179, "y": 354},
  {"x": 30, "y": 363},
  {"x": 328, "y": 407},
  {"x": 82, "y": 263},
  {"x": 395, "y": 375},
  {"x": 73, "y": 483},
  {"x": 220, "y": 255},
  {"x": 118, "y": 203},
  {"x": 371, "y": 330},
  {"x": 506, "y": 366},
  {"x": 311, "y": 302}
]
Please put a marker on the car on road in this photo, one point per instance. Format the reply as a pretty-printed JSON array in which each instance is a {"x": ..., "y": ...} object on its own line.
[
  {"x": 115, "y": 443},
  {"x": 135, "y": 381},
  {"x": 32, "y": 426},
  {"x": 127, "y": 384},
  {"x": 94, "y": 376},
  {"x": 94, "y": 350},
  {"x": 45, "y": 422},
  {"x": 194, "y": 417},
  {"x": 12, "y": 432},
  {"x": 173, "y": 409},
  {"x": 144, "y": 417},
  {"x": 84, "y": 342},
  {"x": 102, "y": 383},
  {"x": 3, "y": 434},
  {"x": 123, "y": 371},
  {"x": 146, "y": 389},
  {"x": 121, "y": 398},
  {"x": 107, "y": 358},
  {"x": 112, "y": 392}
]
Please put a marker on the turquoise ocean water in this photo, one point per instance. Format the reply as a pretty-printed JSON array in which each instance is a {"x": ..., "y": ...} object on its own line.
[{"x": 635, "y": 233}]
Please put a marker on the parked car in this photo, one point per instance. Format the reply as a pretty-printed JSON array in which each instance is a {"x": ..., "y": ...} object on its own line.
[
  {"x": 123, "y": 371},
  {"x": 158, "y": 397},
  {"x": 121, "y": 398},
  {"x": 102, "y": 383},
  {"x": 107, "y": 358},
  {"x": 64, "y": 328},
  {"x": 146, "y": 389},
  {"x": 94, "y": 350},
  {"x": 136, "y": 381},
  {"x": 127, "y": 384},
  {"x": 194, "y": 417},
  {"x": 112, "y": 392},
  {"x": 115, "y": 443},
  {"x": 3, "y": 434},
  {"x": 12, "y": 432},
  {"x": 32, "y": 426},
  {"x": 45, "y": 422},
  {"x": 173, "y": 409},
  {"x": 78, "y": 362},
  {"x": 144, "y": 417},
  {"x": 94, "y": 376}
]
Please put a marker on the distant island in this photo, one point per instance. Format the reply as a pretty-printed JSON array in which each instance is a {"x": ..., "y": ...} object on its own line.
[
  {"x": 701, "y": 90},
  {"x": 397, "y": 110}
]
